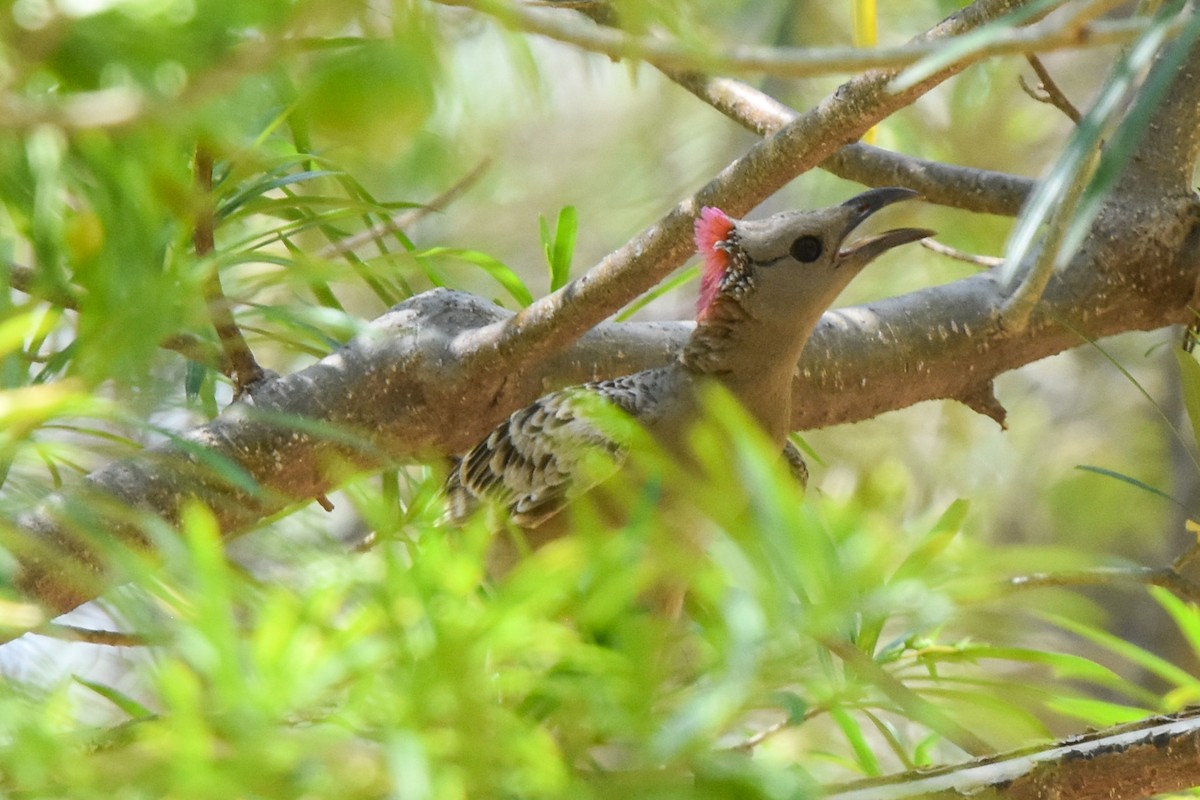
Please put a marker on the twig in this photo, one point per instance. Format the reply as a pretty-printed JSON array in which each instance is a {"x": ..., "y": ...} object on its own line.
[
  {"x": 980, "y": 190},
  {"x": 74, "y": 633},
  {"x": 407, "y": 218},
  {"x": 1164, "y": 577},
  {"x": 758, "y": 737},
  {"x": 1185, "y": 559},
  {"x": 243, "y": 369},
  {"x": 1047, "y": 90},
  {"x": 959, "y": 255},
  {"x": 795, "y": 62}
]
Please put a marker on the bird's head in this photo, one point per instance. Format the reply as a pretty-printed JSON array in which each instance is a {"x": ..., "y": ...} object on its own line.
[{"x": 792, "y": 265}]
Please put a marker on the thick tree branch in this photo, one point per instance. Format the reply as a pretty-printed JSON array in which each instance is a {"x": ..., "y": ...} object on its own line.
[{"x": 1145, "y": 758}]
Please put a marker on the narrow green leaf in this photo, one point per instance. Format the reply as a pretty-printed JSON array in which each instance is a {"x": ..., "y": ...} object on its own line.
[
  {"x": 563, "y": 249},
  {"x": 1119, "y": 147},
  {"x": 193, "y": 380},
  {"x": 1143, "y": 658},
  {"x": 670, "y": 284},
  {"x": 1098, "y": 713},
  {"x": 943, "y": 532},
  {"x": 858, "y": 741},
  {"x": 118, "y": 698},
  {"x": 1108, "y": 473},
  {"x": 1189, "y": 378},
  {"x": 1046, "y": 203},
  {"x": 1184, "y": 615},
  {"x": 259, "y": 188},
  {"x": 495, "y": 268},
  {"x": 792, "y": 703}
]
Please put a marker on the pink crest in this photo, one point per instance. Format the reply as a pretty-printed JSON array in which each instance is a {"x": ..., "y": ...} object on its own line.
[{"x": 711, "y": 229}]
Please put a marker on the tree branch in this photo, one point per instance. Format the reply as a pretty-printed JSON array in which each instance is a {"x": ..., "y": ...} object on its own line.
[
  {"x": 243, "y": 368},
  {"x": 797, "y": 62},
  {"x": 1047, "y": 90},
  {"x": 1145, "y": 758},
  {"x": 980, "y": 190}
]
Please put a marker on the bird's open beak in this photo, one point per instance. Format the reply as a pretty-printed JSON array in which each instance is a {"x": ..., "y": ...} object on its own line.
[{"x": 856, "y": 210}]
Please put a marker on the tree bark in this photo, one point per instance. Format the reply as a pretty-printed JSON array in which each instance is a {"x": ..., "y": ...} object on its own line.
[{"x": 1149, "y": 757}]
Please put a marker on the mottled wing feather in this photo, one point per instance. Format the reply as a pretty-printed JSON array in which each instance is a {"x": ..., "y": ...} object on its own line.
[
  {"x": 532, "y": 464},
  {"x": 795, "y": 462}
]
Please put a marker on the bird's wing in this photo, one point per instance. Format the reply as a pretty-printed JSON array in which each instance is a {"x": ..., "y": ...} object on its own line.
[
  {"x": 795, "y": 463},
  {"x": 541, "y": 457}
]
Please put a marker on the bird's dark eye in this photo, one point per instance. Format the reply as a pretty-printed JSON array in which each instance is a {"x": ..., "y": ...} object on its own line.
[{"x": 806, "y": 249}]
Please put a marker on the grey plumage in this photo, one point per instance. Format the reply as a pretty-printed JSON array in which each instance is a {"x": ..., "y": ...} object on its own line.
[{"x": 766, "y": 284}]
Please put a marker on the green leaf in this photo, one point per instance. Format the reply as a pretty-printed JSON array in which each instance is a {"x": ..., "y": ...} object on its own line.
[
  {"x": 561, "y": 248},
  {"x": 194, "y": 379},
  {"x": 1120, "y": 145},
  {"x": 261, "y": 187},
  {"x": 118, "y": 698},
  {"x": 1108, "y": 473},
  {"x": 1133, "y": 653},
  {"x": 792, "y": 703},
  {"x": 670, "y": 284},
  {"x": 1189, "y": 378},
  {"x": 495, "y": 268},
  {"x": 944, "y": 531},
  {"x": 1183, "y": 614},
  {"x": 854, "y": 734},
  {"x": 1098, "y": 713}
]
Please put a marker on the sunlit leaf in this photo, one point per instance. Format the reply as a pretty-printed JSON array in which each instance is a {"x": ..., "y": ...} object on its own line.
[
  {"x": 559, "y": 247},
  {"x": 500, "y": 272}
]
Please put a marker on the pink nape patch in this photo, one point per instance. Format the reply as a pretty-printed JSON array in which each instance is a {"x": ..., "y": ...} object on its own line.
[{"x": 712, "y": 227}]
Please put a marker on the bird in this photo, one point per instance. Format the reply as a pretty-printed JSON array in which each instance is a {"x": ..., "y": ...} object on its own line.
[{"x": 764, "y": 286}]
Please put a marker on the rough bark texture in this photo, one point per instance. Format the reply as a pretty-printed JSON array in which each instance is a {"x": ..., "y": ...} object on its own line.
[{"x": 1145, "y": 758}]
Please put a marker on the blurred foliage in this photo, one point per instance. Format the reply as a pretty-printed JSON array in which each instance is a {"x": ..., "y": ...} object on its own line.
[{"x": 286, "y": 666}]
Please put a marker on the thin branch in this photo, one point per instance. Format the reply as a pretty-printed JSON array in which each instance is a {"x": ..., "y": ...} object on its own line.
[
  {"x": 987, "y": 262},
  {"x": 979, "y": 190},
  {"x": 74, "y": 633},
  {"x": 407, "y": 218},
  {"x": 244, "y": 370},
  {"x": 795, "y": 62},
  {"x": 1047, "y": 90},
  {"x": 1164, "y": 577}
]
